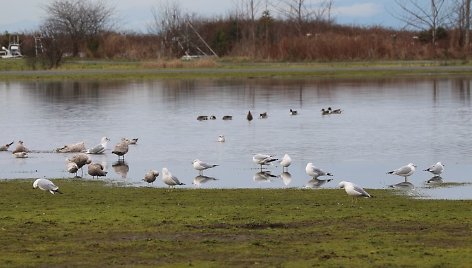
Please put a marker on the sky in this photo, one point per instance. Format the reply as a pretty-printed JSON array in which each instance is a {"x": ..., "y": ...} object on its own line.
[{"x": 135, "y": 15}]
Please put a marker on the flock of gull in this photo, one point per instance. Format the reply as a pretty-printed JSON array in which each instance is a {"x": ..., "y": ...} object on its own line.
[{"x": 79, "y": 160}]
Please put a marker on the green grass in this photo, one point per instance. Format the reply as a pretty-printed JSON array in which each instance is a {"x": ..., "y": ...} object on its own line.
[
  {"x": 96, "y": 224},
  {"x": 231, "y": 68}
]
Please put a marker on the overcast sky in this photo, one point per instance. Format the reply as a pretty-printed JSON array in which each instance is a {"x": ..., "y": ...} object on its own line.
[{"x": 135, "y": 15}]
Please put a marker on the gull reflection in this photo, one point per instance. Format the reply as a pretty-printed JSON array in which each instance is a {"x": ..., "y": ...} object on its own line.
[
  {"x": 264, "y": 176},
  {"x": 121, "y": 168},
  {"x": 404, "y": 185},
  {"x": 435, "y": 179},
  {"x": 201, "y": 179},
  {"x": 316, "y": 183},
  {"x": 286, "y": 178}
]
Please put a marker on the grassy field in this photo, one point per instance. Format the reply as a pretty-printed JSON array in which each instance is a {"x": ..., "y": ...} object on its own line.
[
  {"x": 230, "y": 68},
  {"x": 96, "y": 224}
]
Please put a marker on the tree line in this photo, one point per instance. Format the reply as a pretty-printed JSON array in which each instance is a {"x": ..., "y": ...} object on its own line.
[{"x": 288, "y": 30}]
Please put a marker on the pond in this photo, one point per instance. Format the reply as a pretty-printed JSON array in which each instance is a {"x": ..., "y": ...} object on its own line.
[{"x": 384, "y": 124}]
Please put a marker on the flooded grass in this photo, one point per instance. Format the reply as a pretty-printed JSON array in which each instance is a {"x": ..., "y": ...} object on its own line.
[
  {"x": 94, "y": 223},
  {"x": 230, "y": 68}
]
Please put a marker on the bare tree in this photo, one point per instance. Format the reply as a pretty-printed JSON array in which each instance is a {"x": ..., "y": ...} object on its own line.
[
  {"x": 426, "y": 15},
  {"x": 303, "y": 11},
  {"x": 79, "y": 21},
  {"x": 460, "y": 19}
]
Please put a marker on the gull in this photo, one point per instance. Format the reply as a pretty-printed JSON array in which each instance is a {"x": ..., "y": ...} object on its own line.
[
  {"x": 200, "y": 179},
  {"x": 96, "y": 170},
  {"x": 100, "y": 148},
  {"x": 404, "y": 171},
  {"x": 293, "y": 112},
  {"x": 20, "y": 155},
  {"x": 72, "y": 148},
  {"x": 436, "y": 169},
  {"x": 324, "y": 112},
  {"x": 315, "y": 172},
  {"x": 285, "y": 162},
  {"x": 151, "y": 176},
  {"x": 6, "y": 146},
  {"x": 81, "y": 160},
  {"x": 121, "y": 148},
  {"x": 46, "y": 185},
  {"x": 170, "y": 180},
  {"x": 20, "y": 148},
  {"x": 263, "y": 159},
  {"x": 72, "y": 167},
  {"x": 353, "y": 190},
  {"x": 221, "y": 138},
  {"x": 249, "y": 116},
  {"x": 263, "y": 115},
  {"x": 201, "y": 166},
  {"x": 212, "y": 117}
]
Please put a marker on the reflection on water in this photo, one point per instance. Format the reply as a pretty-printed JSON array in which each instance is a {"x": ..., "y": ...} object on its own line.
[
  {"x": 435, "y": 179},
  {"x": 316, "y": 183},
  {"x": 201, "y": 179},
  {"x": 384, "y": 123},
  {"x": 264, "y": 176},
  {"x": 121, "y": 168}
]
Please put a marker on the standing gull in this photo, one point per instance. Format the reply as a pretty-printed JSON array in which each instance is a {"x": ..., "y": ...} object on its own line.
[
  {"x": 20, "y": 148},
  {"x": 353, "y": 190},
  {"x": 263, "y": 159},
  {"x": 170, "y": 180},
  {"x": 100, "y": 148},
  {"x": 286, "y": 162},
  {"x": 315, "y": 172},
  {"x": 436, "y": 169},
  {"x": 6, "y": 146},
  {"x": 121, "y": 148},
  {"x": 201, "y": 166},
  {"x": 81, "y": 160},
  {"x": 72, "y": 167},
  {"x": 293, "y": 112},
  {"x": 151, "y": 176},
  {"x": 46, "y": 185},
  {"x": 96, "y": 170},
  {"x": 404, "y": 171}
]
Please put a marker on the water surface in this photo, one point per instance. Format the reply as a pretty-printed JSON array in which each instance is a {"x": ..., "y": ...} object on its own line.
[{"x": 385, "y": 124}]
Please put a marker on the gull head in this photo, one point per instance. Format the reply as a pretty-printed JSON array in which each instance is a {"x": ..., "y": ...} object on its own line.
[{"x": 342, "y": 184}]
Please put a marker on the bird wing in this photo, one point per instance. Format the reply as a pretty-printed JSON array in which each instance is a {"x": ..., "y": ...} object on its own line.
[
  {"x": 403, "y": 170},
  {"x": 96, "y": 150},
  {"x": 361, "y": 191}
]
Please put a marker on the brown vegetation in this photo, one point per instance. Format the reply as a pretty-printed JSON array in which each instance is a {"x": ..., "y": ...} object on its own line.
[{"x": 276, "y": 41}]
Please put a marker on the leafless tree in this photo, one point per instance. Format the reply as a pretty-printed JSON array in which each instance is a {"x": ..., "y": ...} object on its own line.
[
  {"x": 303, "y": 11},
  {"x": 79, "y": 21},
  {"x": 169, "y": 23},
  {"x": 425, "y": 15},
  {"x": 460, "y": 19}
]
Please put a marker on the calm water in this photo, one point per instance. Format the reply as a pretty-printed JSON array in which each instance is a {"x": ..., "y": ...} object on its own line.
[{"x": 385, "y": 124}]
